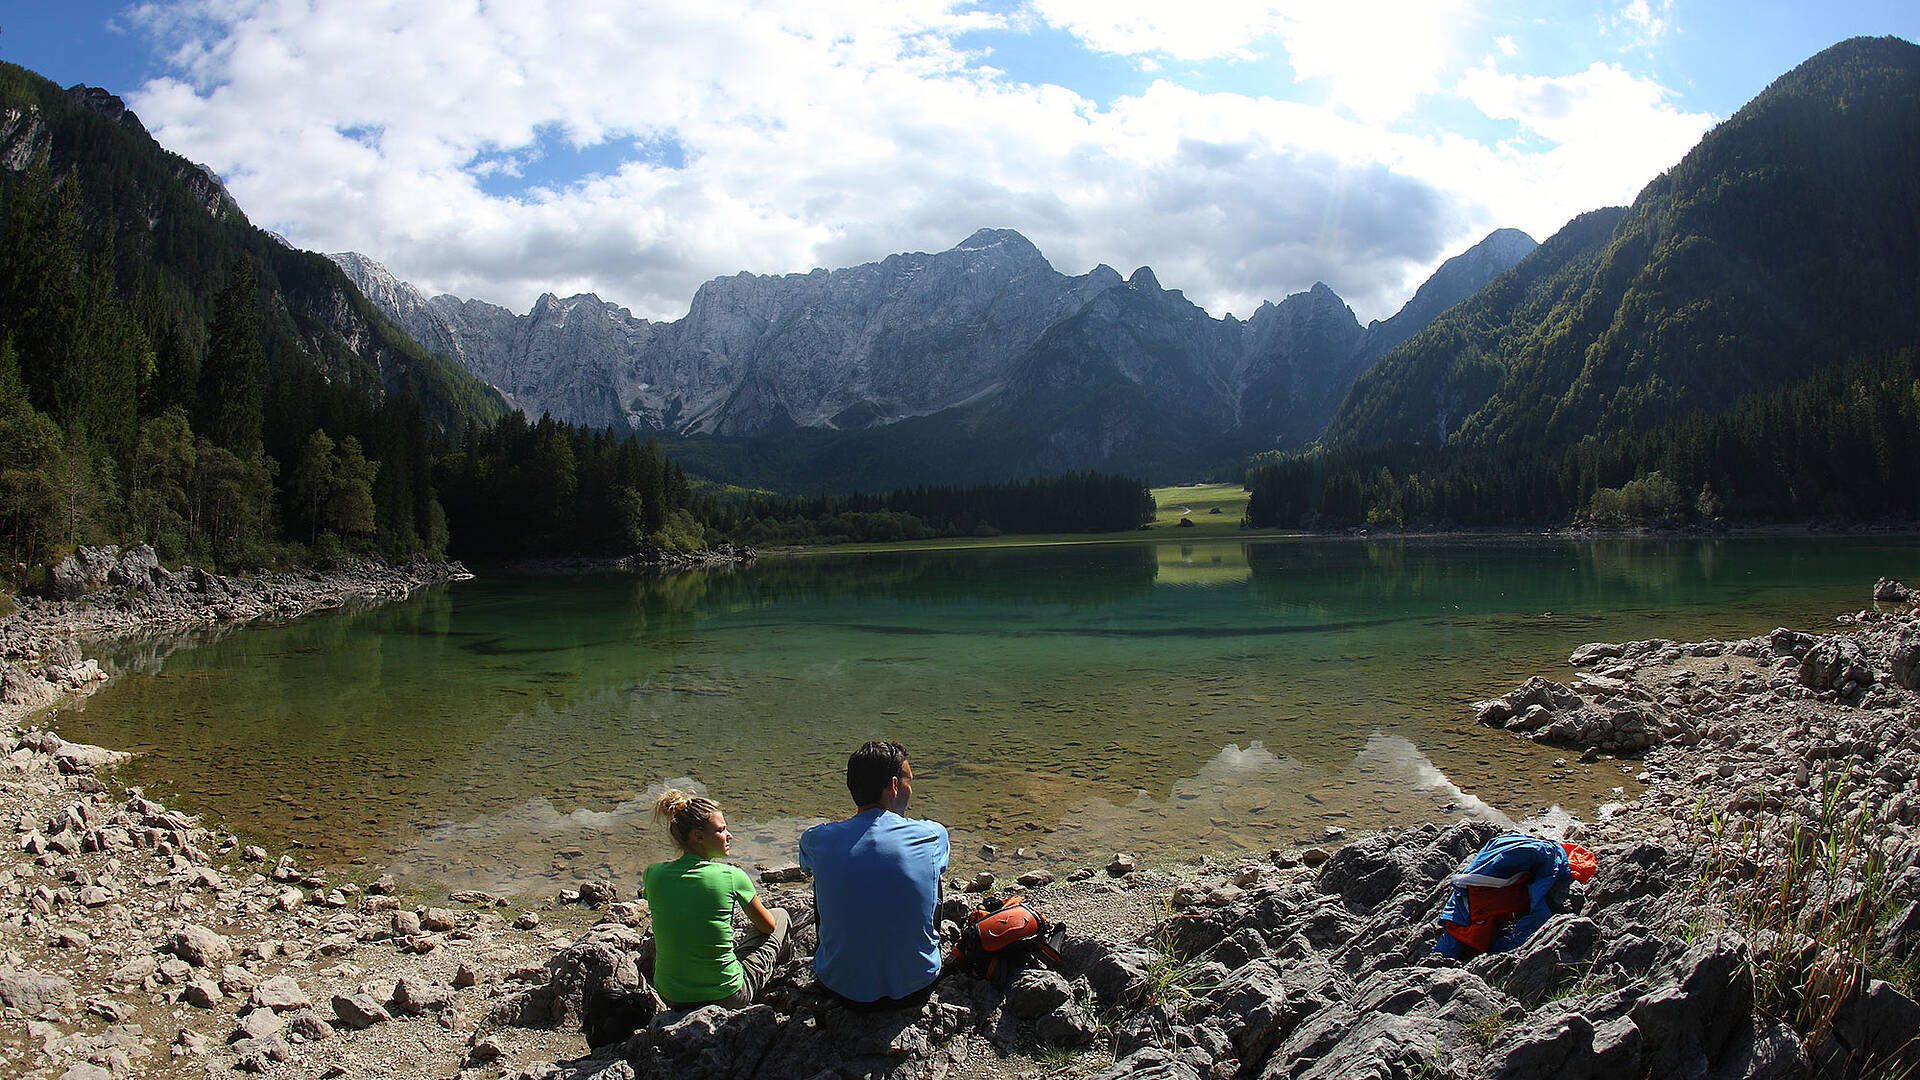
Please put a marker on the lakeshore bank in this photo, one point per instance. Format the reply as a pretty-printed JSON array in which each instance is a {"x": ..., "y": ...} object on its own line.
[{"x": 137, "y": 942}]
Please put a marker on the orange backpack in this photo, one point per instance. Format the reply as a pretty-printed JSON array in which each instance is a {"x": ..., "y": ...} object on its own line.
[{"x": 1003, "y": 934}]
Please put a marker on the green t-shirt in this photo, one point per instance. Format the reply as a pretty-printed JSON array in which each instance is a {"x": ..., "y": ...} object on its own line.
[{"x": 691, "y": 900}]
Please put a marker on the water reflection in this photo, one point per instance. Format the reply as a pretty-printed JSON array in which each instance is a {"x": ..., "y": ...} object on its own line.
[
  {"x": 1211, "y": 564},
  {"x": 1238, "y": 799},
  {"x": 1067, "y": 699}
]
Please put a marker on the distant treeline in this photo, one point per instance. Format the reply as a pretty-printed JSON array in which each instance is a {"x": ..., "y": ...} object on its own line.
[
  {"x": 1838, "y": 447},
  {"x": 551, "y": 488},
  {"x": 1069, "y": 503}
]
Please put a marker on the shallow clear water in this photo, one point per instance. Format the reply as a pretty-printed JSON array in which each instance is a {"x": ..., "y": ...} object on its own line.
[{"x": 1160, "y": 698}]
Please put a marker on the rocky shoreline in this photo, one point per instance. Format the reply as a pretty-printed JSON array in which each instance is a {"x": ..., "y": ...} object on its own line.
[
  {"x": 103, "y": 593},
  {"x": 646, "y": 560},
  {"x": 136, "y": 942}
]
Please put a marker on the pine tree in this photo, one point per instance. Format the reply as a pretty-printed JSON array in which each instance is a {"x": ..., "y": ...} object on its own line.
[
  {"x": 159, "y": 508},
  {"x": 233, "y": 379},
  {"x": 29, "y": 443},
  {"x": 312, "y": 480},
  {"x": 350, "y": 503}
]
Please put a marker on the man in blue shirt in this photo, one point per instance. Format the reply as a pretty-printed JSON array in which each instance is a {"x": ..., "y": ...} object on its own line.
[{"x": 876, "y": 882}]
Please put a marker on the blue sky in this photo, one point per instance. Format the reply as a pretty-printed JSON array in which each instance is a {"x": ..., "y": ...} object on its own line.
[{"x": 1244, "y": 149}]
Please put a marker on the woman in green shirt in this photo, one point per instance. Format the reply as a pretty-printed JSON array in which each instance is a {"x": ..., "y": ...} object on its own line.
[{"x": 696, "y": 960}]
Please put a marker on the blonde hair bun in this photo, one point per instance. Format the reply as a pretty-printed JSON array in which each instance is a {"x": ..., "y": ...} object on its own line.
[{"x": 683, "y": 813}]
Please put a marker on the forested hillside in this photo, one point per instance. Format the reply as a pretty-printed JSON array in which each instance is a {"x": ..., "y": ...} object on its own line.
[
  {"x": 1739, "y": 344},
  {"x": 171, "y": 374},
  {"x": 1838, "y": 447},
  {"x": 1785, "y": 242}
]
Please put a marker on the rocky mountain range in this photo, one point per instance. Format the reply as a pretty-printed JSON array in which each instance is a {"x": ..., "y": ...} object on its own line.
[{"x": 1089, "y": 370}]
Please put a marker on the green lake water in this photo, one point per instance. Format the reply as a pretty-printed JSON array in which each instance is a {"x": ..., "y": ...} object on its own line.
[{"x": 1163, "y": 699}]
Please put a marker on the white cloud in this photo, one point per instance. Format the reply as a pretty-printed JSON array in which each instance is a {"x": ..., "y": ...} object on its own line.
[
  {"x": 825, "y": 134},
  {"x": 1217, "y": 30},
  {"x": 1645, "y": 21},
  {"x": 1375, "y": 56},
  {"x": 1610, "y": 130}
]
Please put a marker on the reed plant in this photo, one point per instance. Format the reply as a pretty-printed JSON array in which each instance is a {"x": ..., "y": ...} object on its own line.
[
  {"x": 1808, "y": 895},
  {"x": 1172, "y": 977}
]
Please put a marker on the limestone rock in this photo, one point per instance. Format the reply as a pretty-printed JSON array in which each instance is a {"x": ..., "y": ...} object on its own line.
[
  {"x": 198, "y": 945},
  {"x": 358, "y": 1010},
  {"x": 1035, "y": 991},
  {"x": 280, "y": 994},
  {"x": 32, "y": 991},
  {"x": 412, "y": 996}
]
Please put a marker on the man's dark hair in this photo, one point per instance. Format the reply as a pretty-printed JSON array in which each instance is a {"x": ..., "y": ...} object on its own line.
[{"x": 869, "y": 769}]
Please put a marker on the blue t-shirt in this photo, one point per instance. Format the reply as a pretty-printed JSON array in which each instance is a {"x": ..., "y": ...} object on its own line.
[{"x": 876, "y": 881}]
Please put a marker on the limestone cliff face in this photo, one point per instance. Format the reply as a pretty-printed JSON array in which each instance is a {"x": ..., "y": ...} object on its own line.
[
  {"x": 872, "y": 344},
  {"x": 910, "y": 335},
  {"x": 1088, "y": 366}
]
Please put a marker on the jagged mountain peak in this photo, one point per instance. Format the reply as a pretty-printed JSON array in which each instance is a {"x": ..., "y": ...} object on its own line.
[
  {"x": 357, "y": 264},
  {"x": 1010, "y": 239},
  {"x": 986, "y": 328},
  {"x": 107, "y": 104}
]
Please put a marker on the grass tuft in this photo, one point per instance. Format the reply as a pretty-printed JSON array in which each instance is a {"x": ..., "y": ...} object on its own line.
[
  {"x": 1807, "y": 894},
  {"x": 1172, "y": 977},
  {"x": 1487, "y": 1030}
]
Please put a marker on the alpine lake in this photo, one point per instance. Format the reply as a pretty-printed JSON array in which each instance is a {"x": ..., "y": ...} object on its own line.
[{"x": 1162, "y": 698}]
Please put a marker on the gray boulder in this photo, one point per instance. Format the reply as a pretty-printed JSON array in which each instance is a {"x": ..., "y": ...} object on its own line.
[
  {"x": 1689, "y": 1017},
  {"x": 307, "y": 1024},
  {"x": 1153, "y": 1027},
  {"x": 1876, "y": 1032},
  {"x": 1586, "y": 1038},
  {"x": 261, "y": 1055},
  {"x": 280, "y": 994},
  {"x": 1410, "y": 864},
  {"x": 1905, "y": 659},
  {"x": 575, "y": 975},
  {"x": 358, "y": 1010},
  {"x": 1149, "y": 1063},
  {"x": 1837, "y": 662},
  {"x": 258, "y": 1024},
  {"x": 1068, "y": 1025},
  {"x": 198, "y": 945},
  {"x": 1117, "y": 973},
  {"x": 1259, "y": 1006},
  {"x": 31, "y": 991},
  {"x": 1767, "y": 1049},
  {"x": 137, "y": 569},
  {"x": 1638, "y": 871},
  {"x": 412, "y": 997},
  {"x": 713, "y": 1042},
  {"x": 1785, "y": 642},
  {"x": 1890, "y": 591},
  {"x": 1535, "y": 693},
  {"x": 1036, "y": 991},
  {"x": 1400, "y": 1022},
  {"x": 1555, "y": 956},
  {"x": 67, "y": 579}
]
